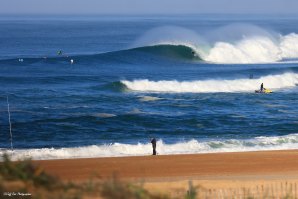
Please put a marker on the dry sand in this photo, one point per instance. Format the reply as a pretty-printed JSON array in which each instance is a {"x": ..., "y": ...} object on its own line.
[{"x": 173, "y": 172}]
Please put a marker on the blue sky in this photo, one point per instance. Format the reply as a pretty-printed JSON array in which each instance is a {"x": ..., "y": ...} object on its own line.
[{"x": 148, "y": 6}]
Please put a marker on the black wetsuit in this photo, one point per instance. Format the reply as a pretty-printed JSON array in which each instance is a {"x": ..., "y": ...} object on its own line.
[
  {"x": 262, "y": 87},
  {"x": 153, "y": 142}
]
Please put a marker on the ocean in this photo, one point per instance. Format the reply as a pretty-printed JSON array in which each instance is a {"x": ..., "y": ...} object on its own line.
[{"x": 103, "y": 86}]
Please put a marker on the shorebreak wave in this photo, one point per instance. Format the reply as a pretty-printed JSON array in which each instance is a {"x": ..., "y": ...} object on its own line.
[{"x": 187, "y": 147}]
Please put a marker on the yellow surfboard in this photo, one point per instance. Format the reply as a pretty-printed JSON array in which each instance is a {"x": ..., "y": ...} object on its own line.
[
  {"x": 267, "y": 91},
  {"x": 263, "y": 91}
]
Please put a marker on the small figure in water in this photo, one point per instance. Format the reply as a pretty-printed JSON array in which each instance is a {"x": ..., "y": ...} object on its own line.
[
  {"x": 193, "y": 53},
  {"x": 251, "y": 76},
  {"x": 59, "y": 52},
  {"x": 153, "y": 142},
  {"x": 262, "y": 87},
  {"x": 71, "y": 61}
]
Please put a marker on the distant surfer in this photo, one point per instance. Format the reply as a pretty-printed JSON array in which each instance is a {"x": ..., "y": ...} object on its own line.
[
  {"x": 263, "y": 90},
  {"x": 153, "y": 142},
  {"x": 59, "y": 52},
  {"x": 262, "y": 87}
]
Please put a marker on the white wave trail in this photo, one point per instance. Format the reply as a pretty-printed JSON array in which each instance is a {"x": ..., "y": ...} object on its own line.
[
  {"x": 189, "y": 147},
  {"x": 205, "y": 86}
]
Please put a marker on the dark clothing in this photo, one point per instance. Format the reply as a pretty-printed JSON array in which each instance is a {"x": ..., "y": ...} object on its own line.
[
  {"x": 154, "y": 151},
  {"x": 262, "y": 87},
  {"x": 153, "y": 142}
]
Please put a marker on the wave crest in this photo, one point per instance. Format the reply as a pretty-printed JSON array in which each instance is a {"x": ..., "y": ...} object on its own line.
[
  {"x": 233, "y": 44},
  {"x": 252, "y": 50}
]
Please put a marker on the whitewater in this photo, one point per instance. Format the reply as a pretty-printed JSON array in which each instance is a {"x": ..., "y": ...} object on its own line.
[
  {"x": 274, "y": 82},
  {"x": 259, "y": 46},
  {"x": 140, "y": 149},
  {"x": 254, "y": 50}
]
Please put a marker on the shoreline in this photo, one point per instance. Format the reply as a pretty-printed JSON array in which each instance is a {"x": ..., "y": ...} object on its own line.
[{"x": 31, "y": 157}]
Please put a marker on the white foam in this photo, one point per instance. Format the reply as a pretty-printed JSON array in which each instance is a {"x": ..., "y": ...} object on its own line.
[
  {"x": 249, "y": 45},
  {"x": 251, "y": 50},
  {"x": 255, "y": 49},
  {"x": 186, "y": 147},
  {"x": 149, "y": 98},
  {"x": 104, "y": 115},
  {"x": 204, "y": 86},
  {"x": 289, "y": 46}
]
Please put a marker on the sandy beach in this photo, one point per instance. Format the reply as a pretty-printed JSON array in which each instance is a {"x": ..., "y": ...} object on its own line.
[
  {"x": 197, "y": 166},
  {"x": 173, "y": 172}
]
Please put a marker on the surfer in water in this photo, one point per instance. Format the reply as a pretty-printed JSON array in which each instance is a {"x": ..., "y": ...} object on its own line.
[
  {"x": 263, "y": 90},
  {"x": 193, "y": 53},
  {"x": 262, "y": 87},
  {"x": 153, "y": 142}
]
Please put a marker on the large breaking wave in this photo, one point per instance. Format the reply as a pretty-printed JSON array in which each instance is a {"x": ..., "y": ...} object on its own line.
[
  {"x": 233, "y": 44},
  {"x": 186, "y": 147},
  {"x": 247, "y": 50},
  {"x": 244, "y": 44},
  {"x": 179, "y": 51},
  {"x": 280, "y": 81}
]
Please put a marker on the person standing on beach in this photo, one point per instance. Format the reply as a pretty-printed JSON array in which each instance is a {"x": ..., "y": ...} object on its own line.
[{"x": 153, "y": 142}]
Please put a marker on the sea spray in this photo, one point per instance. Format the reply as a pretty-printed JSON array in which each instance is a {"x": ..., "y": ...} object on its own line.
[{"x": 170, "y": 35}]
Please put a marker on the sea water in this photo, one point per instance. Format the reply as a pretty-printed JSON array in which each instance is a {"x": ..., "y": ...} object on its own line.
[{"x": 187, "y": 80}]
